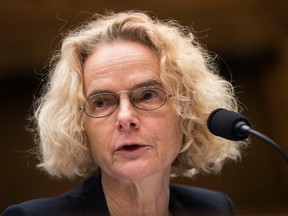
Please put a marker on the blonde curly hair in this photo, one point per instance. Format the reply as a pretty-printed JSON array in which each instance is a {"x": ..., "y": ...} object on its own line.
[{"x": 187, "y": 71}]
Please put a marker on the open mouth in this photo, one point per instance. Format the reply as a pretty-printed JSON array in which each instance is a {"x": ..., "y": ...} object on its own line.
[{"x": 131, "y": 147}]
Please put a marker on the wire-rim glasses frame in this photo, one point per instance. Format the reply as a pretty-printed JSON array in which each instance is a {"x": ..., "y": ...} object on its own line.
[{"x": 146, "y": 98}]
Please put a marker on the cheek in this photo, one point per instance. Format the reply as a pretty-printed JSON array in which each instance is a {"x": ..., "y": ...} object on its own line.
[
  {"x": 174, "y": 138},
  {"x": 89, "y": 130},
  {"x": 96, "y": 129},
  {"x": 176, "y": 134},
  {"x": 169, "y": 135},
  {"x": 97, "y": 136}
]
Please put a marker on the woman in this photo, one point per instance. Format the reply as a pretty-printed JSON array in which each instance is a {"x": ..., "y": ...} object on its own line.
[{"x": 126, "y": 106}]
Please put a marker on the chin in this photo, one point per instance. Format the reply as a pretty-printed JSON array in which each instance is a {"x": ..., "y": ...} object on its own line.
[{"x": 137, "y": 172}]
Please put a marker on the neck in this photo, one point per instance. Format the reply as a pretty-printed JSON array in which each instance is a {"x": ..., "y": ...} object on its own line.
[{"x": 146, "y": 197}]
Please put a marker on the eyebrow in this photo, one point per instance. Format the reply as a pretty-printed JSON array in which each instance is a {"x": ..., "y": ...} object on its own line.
[{"x": 147, "y": 83}]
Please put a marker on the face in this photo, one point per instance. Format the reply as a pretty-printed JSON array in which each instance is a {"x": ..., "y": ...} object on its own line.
[{"x": 130, "y": 143}]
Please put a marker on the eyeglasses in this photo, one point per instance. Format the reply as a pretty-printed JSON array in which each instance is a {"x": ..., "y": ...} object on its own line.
[{"x": 145, "y": 98}]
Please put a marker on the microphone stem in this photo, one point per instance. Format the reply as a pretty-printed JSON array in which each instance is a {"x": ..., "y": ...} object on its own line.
[{"x": 247, "y": 129}]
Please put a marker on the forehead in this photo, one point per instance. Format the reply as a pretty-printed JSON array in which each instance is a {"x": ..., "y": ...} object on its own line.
[{"x": 119, "y": 65}]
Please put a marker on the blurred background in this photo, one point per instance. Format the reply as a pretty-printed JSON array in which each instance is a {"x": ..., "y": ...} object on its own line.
[{"x": 251, "y": 40}]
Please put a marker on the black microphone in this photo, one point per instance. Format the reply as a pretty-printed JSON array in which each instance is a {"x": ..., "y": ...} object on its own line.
[
  {"x": 234, "y": 126},
  {"x": 227, "y": 124}
]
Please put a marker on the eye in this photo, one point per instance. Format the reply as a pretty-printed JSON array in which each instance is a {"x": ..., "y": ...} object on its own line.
[
  {"x": 99, "y": 103},
  {"x": 102, "y": 101},
  {"x": 148, "y": 95}
]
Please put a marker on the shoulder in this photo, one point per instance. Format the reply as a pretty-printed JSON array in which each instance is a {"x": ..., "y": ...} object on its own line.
[
  {"x": 200, "y": 201},
  {"x": 62, "y": 205},
  {"x": 39, "y": 207},
  {"x": 80, "y": 201}
]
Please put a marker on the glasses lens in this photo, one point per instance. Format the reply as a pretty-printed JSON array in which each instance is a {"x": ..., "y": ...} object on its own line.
[
  {"x": 148, "y": 98},
  {"x": 100, "y": 105}
]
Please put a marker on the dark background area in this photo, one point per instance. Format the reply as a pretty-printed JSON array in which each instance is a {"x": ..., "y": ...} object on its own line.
[{"x": 251, "y": 40}]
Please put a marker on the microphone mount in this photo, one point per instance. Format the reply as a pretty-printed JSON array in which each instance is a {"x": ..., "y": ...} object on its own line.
[{"x": 245, "y": 129}]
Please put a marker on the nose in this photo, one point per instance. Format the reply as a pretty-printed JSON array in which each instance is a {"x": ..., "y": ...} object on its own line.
[{"x": 127, "y": 119}]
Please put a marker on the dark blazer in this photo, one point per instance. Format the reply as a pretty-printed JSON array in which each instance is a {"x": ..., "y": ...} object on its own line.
[{"x": 89, "y": 199}]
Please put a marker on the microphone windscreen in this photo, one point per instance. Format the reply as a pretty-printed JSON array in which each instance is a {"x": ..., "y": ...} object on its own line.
[{"x": 223, "y": 123}]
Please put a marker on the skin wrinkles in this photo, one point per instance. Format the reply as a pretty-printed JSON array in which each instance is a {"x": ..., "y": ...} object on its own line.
[
  {"x": 149, "y": 83},
  {"x": 141, "y": 176},
  {"x": 114, "y": 64}
]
